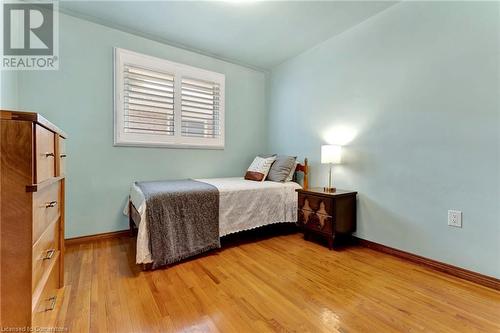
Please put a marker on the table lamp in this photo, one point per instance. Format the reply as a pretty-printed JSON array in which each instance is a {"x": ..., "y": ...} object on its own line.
[{"x": 330, "y": 154}]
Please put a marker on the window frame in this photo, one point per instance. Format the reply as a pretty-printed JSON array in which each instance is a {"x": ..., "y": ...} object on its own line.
[{"x": 179, "y": 71}]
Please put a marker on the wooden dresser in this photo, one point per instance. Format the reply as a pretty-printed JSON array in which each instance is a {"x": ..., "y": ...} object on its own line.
[
  {"x": 31, "y": 219},
  {"x": 327, "y": 214}
]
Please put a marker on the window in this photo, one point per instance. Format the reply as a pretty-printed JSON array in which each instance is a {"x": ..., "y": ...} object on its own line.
[{"x": 167, "y": 104}]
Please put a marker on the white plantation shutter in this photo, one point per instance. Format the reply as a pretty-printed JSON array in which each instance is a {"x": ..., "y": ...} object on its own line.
[
  {"x": 148, "y": 101},
  {"x": 200, "y": 108},
  {"x": 163, "y": 103}
]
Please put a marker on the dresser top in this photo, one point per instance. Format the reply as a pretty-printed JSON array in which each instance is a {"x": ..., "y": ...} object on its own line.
[
  {"x": 320, "y": 191},
  {"x": 33, "y": 117}
]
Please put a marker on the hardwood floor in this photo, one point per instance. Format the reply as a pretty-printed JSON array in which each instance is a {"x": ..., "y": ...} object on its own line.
[{"x": 280, "y": 284}]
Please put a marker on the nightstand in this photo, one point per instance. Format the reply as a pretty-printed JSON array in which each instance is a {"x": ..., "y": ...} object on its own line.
[{"x": 327, "y": 214}]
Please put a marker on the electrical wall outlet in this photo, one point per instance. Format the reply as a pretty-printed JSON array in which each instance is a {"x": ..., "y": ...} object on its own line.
[{"x": 455, "y": 218}]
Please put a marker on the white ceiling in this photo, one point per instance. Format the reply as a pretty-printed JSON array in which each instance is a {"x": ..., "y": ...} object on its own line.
[{"x": 254, "y": 33}]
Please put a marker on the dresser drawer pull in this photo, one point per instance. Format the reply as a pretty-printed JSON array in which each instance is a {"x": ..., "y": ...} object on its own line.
[
  {"x": 52, "y": 301},
  {"x": 63, "y": 155},
  {"x": 50, "y": 155},
  {"x": 49, "y": 254},
  {"x": 51, "y": 204}
]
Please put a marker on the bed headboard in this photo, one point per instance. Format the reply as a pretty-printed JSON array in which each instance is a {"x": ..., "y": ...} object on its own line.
[{"x": 304, "y": 168}]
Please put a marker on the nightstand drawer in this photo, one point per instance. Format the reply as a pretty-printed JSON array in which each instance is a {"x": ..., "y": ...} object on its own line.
[
  {"x": 316, "y": 204},
  {"x": 315, "y": 221}
]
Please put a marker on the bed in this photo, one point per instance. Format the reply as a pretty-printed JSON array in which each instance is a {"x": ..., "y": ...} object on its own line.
[{"x": 242, "y": 204}]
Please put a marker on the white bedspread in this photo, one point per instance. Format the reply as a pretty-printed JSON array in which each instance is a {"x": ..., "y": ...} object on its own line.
[{"x": 243, "y": 205}]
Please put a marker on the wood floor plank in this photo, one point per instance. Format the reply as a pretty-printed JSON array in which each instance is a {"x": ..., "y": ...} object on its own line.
[{"x": 278, "y": 284}]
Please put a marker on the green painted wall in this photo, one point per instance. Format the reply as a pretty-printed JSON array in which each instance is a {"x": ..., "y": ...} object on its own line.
[
  {"x": 79, "y": 98},
  {"x": 8, "y": 90},
  {"x": 413, "y": 93}
]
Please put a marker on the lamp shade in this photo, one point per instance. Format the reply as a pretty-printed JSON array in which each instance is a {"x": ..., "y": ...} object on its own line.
[{"x": 331, "y": 154}]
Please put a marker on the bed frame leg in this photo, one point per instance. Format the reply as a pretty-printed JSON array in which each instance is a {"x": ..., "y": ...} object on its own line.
[
  {"x": 306, "y": 174},
  {"x": 131, "y": 223}
]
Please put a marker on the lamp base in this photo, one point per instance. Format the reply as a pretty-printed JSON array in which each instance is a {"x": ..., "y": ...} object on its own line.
[{"x": 329, "y": 189}]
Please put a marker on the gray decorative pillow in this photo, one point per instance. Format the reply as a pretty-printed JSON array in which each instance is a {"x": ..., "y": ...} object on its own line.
[{"x": 281, "y": 168}]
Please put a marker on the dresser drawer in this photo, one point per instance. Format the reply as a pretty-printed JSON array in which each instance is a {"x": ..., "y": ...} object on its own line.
[
  {"x": 45, "y": 252},
  {"x": 61, "y": 170},
  {"x": 44, "y": 310},
  {"x": 46, "y": 209},
  {"x": 315, "y": 221},
  {"x": 45, "y": 154}
]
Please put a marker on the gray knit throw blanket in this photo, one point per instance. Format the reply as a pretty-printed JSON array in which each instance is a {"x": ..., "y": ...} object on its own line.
[{"x": 182, "y": 217}]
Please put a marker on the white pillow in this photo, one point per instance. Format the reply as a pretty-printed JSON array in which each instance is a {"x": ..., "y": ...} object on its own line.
[
  {"x": 259, "y": 168},
  {"x": 292, "y": 172}
]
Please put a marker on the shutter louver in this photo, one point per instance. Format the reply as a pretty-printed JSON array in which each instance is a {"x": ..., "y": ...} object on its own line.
[
  {"x": 200, "y": 116},
  {"x": 148, "y": 101}
]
